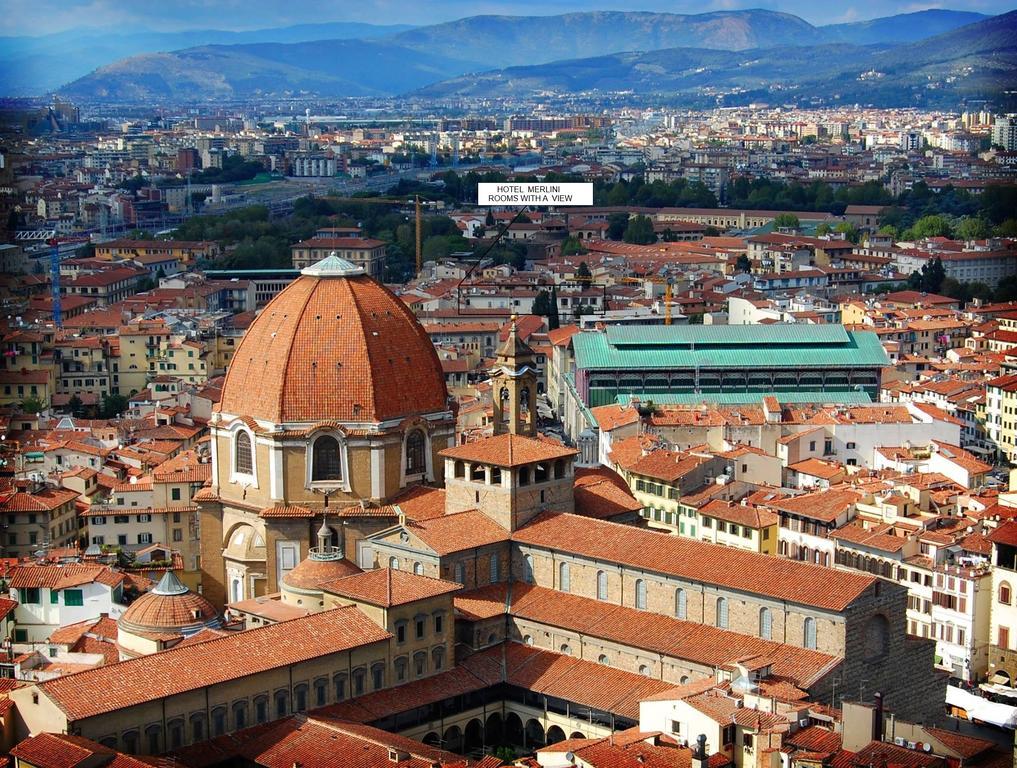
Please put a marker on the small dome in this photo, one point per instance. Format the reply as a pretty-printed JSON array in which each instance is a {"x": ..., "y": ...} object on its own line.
[
  {"x": 170, "y": 606},
  {"x": 311, "y": 573},
  {"x": 334, "y": 345}
]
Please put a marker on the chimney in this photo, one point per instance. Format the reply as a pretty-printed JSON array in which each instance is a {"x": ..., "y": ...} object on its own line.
[
  {"x": 700, "y": 758},
  {"x": 877, "y": 719}
]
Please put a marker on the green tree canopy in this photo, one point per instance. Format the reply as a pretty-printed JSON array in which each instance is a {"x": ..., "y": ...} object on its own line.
[{"x": 786, "y": 221}]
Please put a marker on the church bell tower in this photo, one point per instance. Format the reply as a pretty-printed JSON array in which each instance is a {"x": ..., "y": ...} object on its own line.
[{"x": 514, "y": 387}]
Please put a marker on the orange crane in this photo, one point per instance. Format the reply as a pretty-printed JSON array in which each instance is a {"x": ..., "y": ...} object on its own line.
[{"x": 667, "y": 282}]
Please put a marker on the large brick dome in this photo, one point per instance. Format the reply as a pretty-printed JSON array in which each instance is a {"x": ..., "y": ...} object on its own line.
[{"x": 334, "y": 345}]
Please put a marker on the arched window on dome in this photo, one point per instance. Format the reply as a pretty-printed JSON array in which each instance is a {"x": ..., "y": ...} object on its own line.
[
  {"x": 326, "y": 460},
  {"x": 416, "y": 456},
  {"x": 243, "y": 454}
]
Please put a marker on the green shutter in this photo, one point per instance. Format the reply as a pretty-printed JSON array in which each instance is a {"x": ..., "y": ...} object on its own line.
[{"x": 74, "y": 597}]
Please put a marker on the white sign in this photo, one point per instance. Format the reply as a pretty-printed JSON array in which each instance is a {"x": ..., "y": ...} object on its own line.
[{"x": 534, "y": 193}]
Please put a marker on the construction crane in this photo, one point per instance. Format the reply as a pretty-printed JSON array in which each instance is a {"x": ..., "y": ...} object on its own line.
[
  {"x": 667, "y": 282},
  {"x": 54, "y": 278},
  {"x": 420, "y": 247}
]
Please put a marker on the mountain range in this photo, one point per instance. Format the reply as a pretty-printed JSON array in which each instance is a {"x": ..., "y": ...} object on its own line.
[
  {"x": 603, "y": 51},
  {"x": 973, "y": 60},
  {"x": 32, "y": 65}
]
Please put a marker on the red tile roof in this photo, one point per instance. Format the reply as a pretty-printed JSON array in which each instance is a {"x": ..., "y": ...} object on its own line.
[
  {"x": 602, "y": 493},
  {"x": 338, "y": 346},
  {"x": 455, "y": 532},
  {"x": 387, "y": 587},
  {"x": 63, "y": 576},
  {"x": 696, "y": 562},
  {"x": 178, "y": 670},
  {"x": 508, "y": 450}
]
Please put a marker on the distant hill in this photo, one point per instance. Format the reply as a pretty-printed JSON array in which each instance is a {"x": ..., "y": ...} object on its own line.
[
  {"x": 902, "y": 28},
  {"x": 347, "y": 67},
  {"x": 35, "y": 65},
  {"x": 980, "y": 58},
  {"x": 511, "y": 40},
  {"x": 766, "y": 54}
]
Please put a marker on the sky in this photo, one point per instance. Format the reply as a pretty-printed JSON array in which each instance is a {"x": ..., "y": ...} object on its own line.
[{"x": 38, "y": 17}]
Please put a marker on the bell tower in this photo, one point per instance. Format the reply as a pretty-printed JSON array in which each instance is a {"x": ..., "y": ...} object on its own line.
[{"x": 514, "y": 387}]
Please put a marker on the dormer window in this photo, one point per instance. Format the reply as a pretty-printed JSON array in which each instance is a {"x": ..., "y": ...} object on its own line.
[
  {"x": 243, "y": 454},
  {"x": 326, "y": 460}
]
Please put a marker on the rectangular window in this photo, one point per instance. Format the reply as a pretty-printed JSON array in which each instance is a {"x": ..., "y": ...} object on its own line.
[
  {"x": 1004, "y": 638},
  {"x": 144, "y": 518},
  {"x": 30, "y": 595},
  {"x": 121, "y": 519},
  {"x": 144, "y": 538},
  {"x": 178, "y": 534},
  {"x": 74, "y": 597},
  {"x": 175, "y": 494}
]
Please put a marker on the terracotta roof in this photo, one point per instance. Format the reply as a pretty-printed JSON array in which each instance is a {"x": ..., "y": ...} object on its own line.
[
  {"x": 688, "y": 640},
  {"x": 508, "y": 450},
  {"x": 311, "y": 573},
  {"x": 45, "y": 500},
  {"x": 695, "y": 561},
  {"x": 286, "y": 511},
  {"x": 602, "y": 493},
  {"x": 335, "y": 346},
  {"x": 742, "y": 514},
  {"x": 668, "y": 466},
  {"x": 149, "y": 678},
  {"x": 826, "y": 505},
  {"x": 965, "y": 746},
  {"x": 815, "y": 739},
  {"x": 154, "y": 611},
  {"x": 57, "y": 750},
  {"x": 72, "y": 633},
  {"x": 314, "y": 741},
  {"x": 455, "y": 532},
  {"x": 63, "y": 576},
  {"x": 420, "y": 502},
  {"x": 386, "y": 587}
]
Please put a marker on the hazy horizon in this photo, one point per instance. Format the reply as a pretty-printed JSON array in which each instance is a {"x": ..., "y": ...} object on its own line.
[{"x": 41, "y": 17}]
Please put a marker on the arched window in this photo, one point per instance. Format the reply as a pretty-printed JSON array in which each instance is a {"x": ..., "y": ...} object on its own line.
[
  {"x": 243, "y": 462},
  {"x": 415, "y": 453},
  {"x": 326, "y": 464},
  {"x": 810, "y": 632},
  {"x": 378, "y": 676},
  {"x": 401, "y": 668},
  {"x": 321, "y": 692},
  {"x": 722, "y": 613},
  {"x": 438, "y": 658},
  {"x": 601, "y": 585},
  {"x": 644, "y": 670},
  {"x": 300, "y": 698},
  {"x": 1005, "y": 594},
  {"x": 418, "y": 569},
  {"x": 393, "y": 563},
  {"x": 528, "y": 639},
  {"x": 563, "y": 577},
  {"x": 219, "y": 721},
  {"x": 198, "y": 727},
  {"x": 528, "y": 569},
  {"x": 640, "y": 594},
  {"x": 566, "y": 649},
  {"x": 339, "y": 683},
  {"x": 261, "y": 709},
  {"x": 765, "y": 624},
  {"x": 681, "y": 607},
  {"x": 240, "y": 715},
  {"x": 602, "y": 659},
  {"x": 460, "y": 573},
  {"x": 420, "y": 663},
  {"x": 684, "y": 679},
  {"x": 280, "y": 704}
]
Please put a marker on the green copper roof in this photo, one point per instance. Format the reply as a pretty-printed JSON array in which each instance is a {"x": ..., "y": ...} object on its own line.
[
  {"x": 750, "y": 398},
  {"x": 728, "y": 347}
]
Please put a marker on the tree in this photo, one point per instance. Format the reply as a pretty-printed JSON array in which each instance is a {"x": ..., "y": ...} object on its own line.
[
  {"x": 786, "y": 221},
  {"x": 542, "y": 304},
  {"x": 933, "y": 275},
  {"x": 973, "y": 228},
  {"x": 639, "y": 231},
  {"x": 616, "y": 224},
  {"x": 553, "y": 320},
  {"x": 743, "y": 264},
  {"x": 849, "y": 230},
  {"x": 823, "y": 229},
  {"x": 571, "y": 246},
  {"x": 583, "y": 274},
  {"x": 934, "y": 225},
  {"x": 112, "y": 405},
  {"x": 489, "y": 219},
  {"x": 76, "y": 406},
  {"x": 32, "y": 404}
]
